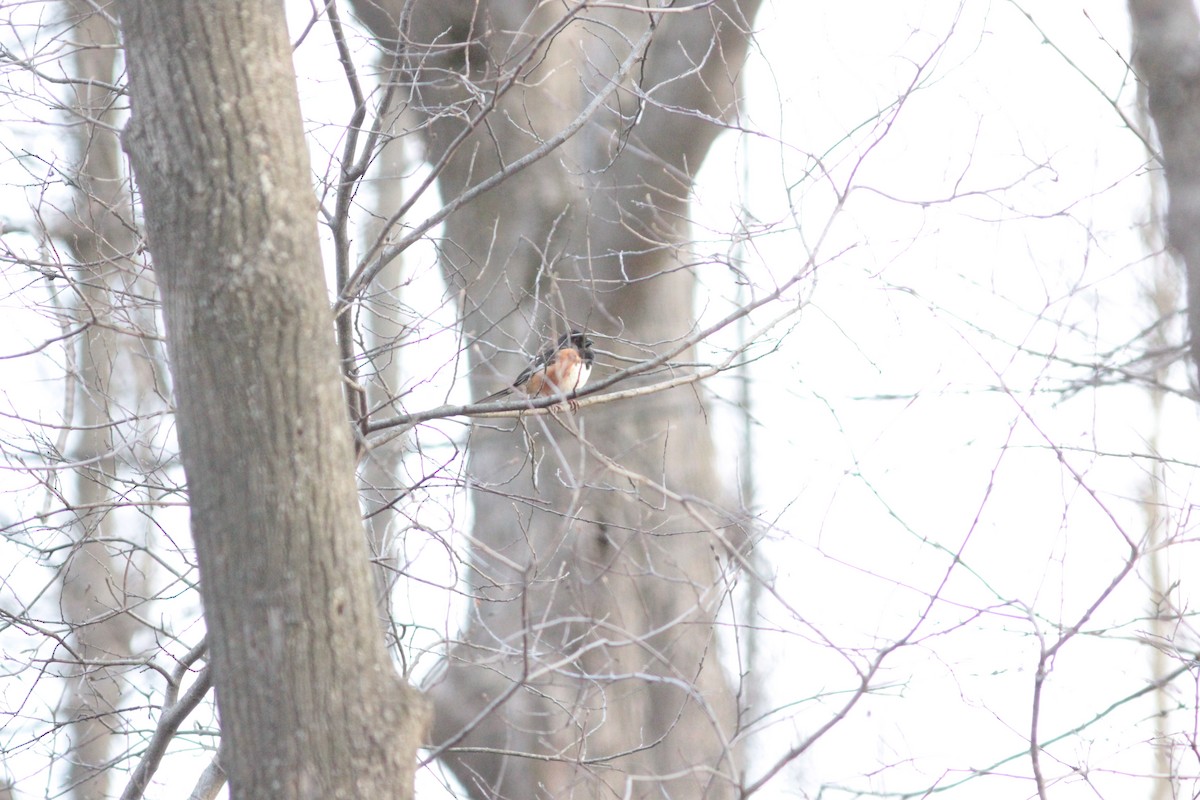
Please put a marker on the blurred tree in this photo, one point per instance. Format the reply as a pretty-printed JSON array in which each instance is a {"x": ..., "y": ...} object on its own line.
[
  {"x": 1166, "y": 51},
  {"x": 111, "y": 381},
  {"x": 591, "y": 640}
]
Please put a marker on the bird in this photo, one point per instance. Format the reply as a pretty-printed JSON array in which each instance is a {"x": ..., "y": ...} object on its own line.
[{"x": 560, "y": 369}]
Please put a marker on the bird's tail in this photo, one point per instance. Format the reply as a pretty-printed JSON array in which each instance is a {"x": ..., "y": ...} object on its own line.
[{"x": 495, "y": 395}]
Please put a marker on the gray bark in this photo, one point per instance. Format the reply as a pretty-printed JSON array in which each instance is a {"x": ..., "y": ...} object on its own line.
[
  {"x": 309, "y": 703},
  {"x": 591, "y": 642},
  {"x": 1166, "y": 54}
]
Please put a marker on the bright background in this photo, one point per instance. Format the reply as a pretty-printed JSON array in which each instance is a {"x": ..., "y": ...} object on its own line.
[{"x": 974, "y": 214}]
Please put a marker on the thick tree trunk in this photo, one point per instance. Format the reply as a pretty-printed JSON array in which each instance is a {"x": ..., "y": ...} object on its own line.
[
  {"x": 309, "y": 703},
  {"x": 591, "y": 643},
  {"x": 1166, "y": 54}
]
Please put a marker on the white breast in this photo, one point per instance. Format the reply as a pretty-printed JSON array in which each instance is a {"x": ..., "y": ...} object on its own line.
[{"x": 576, "y": 377}]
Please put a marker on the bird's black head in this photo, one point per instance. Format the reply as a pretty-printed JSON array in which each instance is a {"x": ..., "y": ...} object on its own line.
[{"x": 580, "y": 340}]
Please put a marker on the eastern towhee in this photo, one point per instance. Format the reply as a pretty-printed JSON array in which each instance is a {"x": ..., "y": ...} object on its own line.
[{"x": 558, "y": 370}]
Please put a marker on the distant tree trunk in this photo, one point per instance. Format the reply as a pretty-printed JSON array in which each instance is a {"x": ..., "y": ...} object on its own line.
[
  {"x": 381, "y": 329},
  {"x": 96, "y": 578},
  {"x": 1162, "y": 298},
  {"x": 1166, "y": 55},
  {"x": 595, "y": 593},
  {"x": 309, "y": 703}
]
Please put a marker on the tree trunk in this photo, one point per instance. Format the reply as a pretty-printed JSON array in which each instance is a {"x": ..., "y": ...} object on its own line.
[
  {"x": 309, "y": 703},
  {"x": 1166, "y": 54},
  {"x": 96, "y": 580},
  {"x": 591, "y": 641},
  {"x": 382, "y": 325}
]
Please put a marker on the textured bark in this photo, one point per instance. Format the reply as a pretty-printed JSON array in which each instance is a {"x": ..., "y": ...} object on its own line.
[
  {"x": 1166, "y": 54},
  {"x": 591, "y": 640},
  {"x": 309, "y": 703},
  {"x": 96, "y": 579}
]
